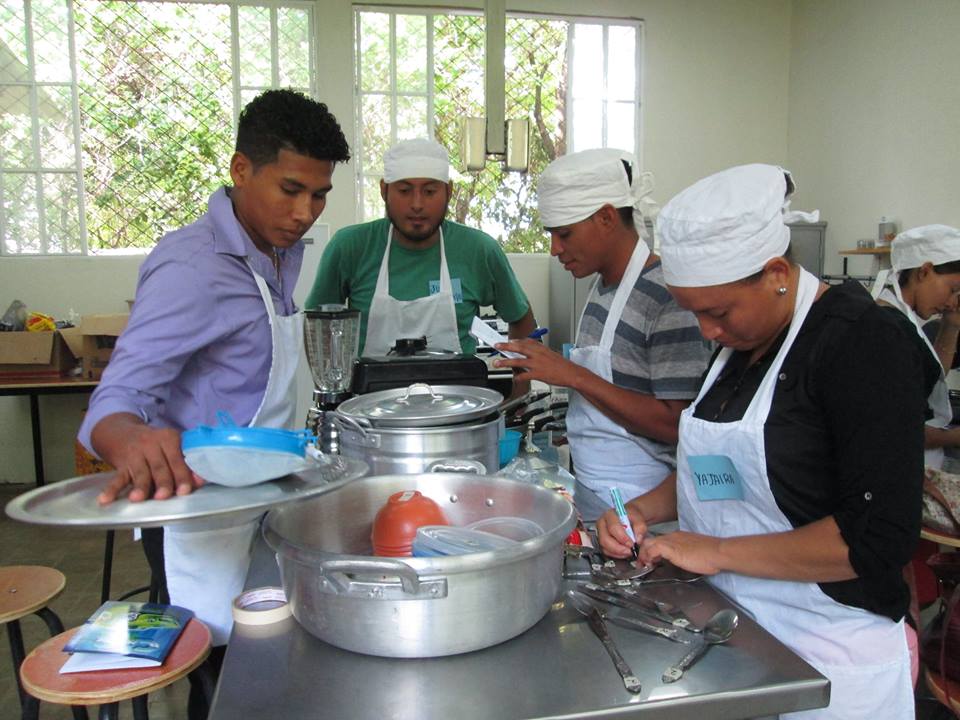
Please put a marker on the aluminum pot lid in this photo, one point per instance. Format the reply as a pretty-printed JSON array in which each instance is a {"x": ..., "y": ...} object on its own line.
[
  {"x": 422, "y": 405},
  {"x": 73, "y": 502}
]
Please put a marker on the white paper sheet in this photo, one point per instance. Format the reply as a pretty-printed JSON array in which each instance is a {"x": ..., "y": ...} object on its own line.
[{"x": 488, "y": 336}]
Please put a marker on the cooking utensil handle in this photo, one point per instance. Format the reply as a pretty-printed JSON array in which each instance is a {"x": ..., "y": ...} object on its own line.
[
  {"x": 409, "y": 579},
  {"x": 675, "y": 672},
  {"x": 457, "y": 465},
  {"x": 630, "y": 681},
  {"x": 508, "y": 405},
  {"x": 352, "y": 424}
]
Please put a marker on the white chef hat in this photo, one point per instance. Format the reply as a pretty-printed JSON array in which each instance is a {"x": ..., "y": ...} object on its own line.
[
  {"x": 727, "y": 226},
  {"x": 575, "y": 186},
  {"x": 419, "y": 158},
  {"x": 937, "y": 244}
]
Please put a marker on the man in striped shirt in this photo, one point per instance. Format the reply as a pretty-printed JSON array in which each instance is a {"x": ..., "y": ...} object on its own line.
[{"x": 639, "y": 357}]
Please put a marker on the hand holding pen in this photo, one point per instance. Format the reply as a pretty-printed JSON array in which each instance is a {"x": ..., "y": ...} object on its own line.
[{"x": 624, "y": 520}]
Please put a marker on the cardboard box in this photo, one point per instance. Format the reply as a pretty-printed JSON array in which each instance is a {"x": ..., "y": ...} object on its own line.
[
  {"x": 100, "y": 333},
  {"x": 34, "y": 355},
  {"x": 73, "y": 337}
]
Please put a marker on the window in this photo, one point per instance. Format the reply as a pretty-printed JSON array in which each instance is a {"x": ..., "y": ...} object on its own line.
[
  {"x": 419, "y": 72},
  {"x": 116, "y": 118}
]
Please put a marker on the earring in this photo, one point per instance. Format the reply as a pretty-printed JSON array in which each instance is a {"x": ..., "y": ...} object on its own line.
[{"x": 781, "y": 291}]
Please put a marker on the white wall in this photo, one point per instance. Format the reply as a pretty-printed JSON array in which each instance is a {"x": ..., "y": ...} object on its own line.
[
  {"x": 715, "y": 94},
  {"x": 874, "y": 102}
]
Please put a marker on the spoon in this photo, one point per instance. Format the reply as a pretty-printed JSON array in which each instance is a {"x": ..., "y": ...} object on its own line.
[
  {"x": 595, "y": 619},
  {"x": 718, "y": 629}
]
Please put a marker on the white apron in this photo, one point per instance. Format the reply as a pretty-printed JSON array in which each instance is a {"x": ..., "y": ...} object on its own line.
[
  {"x": 863, "y": 654},
  {"x": 939, "y": 399},
  {"x": 206, "y": 562},
  {"x": 604, "y": 453},
  {"x": 433, "y": 316}
]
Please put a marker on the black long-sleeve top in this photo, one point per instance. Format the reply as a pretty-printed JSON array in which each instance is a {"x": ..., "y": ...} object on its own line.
[{"x": 844, "y": 436}]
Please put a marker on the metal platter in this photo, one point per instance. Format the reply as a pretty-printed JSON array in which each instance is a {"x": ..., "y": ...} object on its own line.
[
  {"x": 73, "y": 502},
  {"x": 422, "y": 405}
]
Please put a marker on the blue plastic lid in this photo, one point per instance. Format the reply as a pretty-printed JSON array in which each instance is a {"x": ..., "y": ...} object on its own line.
[{"x": 228, "y": 434}]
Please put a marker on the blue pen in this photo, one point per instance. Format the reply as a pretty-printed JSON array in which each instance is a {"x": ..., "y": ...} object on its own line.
[{"x": 624, "y": 520}]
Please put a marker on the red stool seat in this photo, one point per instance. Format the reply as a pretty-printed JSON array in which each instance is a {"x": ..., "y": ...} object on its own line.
[{"x": 40, "y": 672}]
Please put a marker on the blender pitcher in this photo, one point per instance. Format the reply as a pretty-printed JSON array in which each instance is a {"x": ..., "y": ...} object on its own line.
[{"x": 332, "y": 339}]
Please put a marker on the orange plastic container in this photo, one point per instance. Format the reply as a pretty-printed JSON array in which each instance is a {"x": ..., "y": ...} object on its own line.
[{"x": 395, "y": 525}]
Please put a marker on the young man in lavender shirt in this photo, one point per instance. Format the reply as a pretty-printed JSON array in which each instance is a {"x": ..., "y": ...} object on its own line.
[{"x": 214, "y": 328}]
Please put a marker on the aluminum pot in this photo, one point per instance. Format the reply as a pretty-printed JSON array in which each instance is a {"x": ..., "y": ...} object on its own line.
[
  {"x": 418, "y": 607},
  {"x": 411, "y": 450}
]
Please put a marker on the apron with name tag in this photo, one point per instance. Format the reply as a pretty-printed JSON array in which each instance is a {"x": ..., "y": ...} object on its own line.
[
  {"x": 206, "y": 562},
  {"x": 723, "y": 491},
  {"x": 605, "y": 454},
  {"x": 433, "y": 316}
]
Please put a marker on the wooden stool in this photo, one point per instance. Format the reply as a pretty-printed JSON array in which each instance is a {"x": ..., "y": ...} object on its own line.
[
  {"x": 40, "y": 674},
  {"x": 937, "y": 684},
  {"x": 27, "y": 590}
]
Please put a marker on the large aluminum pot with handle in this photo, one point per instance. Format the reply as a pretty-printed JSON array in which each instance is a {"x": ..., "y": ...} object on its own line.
[
  {"x": 418, "y": 606},
  {"x": 406, "y": 430}
]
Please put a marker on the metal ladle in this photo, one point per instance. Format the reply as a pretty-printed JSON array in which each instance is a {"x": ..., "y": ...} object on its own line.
[{"x": 718, "y": 630}]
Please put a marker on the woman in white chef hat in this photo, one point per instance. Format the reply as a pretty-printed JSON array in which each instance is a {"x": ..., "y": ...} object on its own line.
[
  {"x": 790, "y": 486},
  {"x": 924, "y": 280}
]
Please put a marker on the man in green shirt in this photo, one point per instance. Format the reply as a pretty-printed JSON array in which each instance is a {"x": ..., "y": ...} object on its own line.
[{"x": 414, "y": 273}]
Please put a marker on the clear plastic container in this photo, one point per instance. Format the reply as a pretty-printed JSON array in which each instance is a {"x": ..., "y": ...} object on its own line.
[
  {"x": 511, "y": 527},
  {"x": 441, "y": 540}
]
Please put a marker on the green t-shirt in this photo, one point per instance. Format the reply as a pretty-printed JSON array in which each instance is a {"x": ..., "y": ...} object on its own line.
[{"x": 479, "y": 273}]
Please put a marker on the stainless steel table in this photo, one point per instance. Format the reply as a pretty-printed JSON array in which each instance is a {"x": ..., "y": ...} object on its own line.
[{"x": 557, "y": 669}]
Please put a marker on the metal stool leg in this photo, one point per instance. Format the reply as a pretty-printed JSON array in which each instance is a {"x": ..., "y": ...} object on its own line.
[
  {"x": 107, "y": 567},
  {"x": 31, "y": 709},
  {"x": 50, "y": 618},
  {"x": 110, "y": 712},
  {"x": 140, "y": 708},
  {"x": 18, "y": 654}
]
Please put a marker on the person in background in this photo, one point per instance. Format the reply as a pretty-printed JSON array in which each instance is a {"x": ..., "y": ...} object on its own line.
[
  {"x": 811, "y": 416},
  {"x": 214, "y": 328},
  {"x": 414, "y": 273},
  {"x": 639, "y": 356},
  {"x": 924, "y": 280}
]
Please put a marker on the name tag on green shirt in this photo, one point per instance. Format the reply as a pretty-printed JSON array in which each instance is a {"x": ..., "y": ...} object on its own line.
[{"x": 456, "y": 285}]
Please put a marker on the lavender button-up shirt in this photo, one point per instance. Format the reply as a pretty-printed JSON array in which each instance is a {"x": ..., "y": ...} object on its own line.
[{"x": 198, "y": 340}]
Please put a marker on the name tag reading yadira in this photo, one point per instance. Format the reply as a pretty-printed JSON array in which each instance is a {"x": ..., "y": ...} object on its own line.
[{"x": 715, "y": 477}]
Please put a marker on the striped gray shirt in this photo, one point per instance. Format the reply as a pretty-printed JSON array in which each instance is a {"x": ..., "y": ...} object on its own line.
[{"x": 657, "y": 348}]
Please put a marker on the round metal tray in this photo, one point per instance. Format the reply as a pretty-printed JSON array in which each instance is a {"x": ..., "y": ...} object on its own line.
[{"x": 73, "y": 502}]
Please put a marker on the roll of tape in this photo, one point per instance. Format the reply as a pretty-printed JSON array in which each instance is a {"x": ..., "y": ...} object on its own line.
[{"x": 261, "y": 606}]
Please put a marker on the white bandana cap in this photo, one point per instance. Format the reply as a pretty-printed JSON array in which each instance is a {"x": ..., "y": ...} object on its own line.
[
  {"x": 936, "y": 244},
  {"x": 420, "y": 158},
  {"x": 575, "y": 186},
  {"x": 727, "y": 226}
]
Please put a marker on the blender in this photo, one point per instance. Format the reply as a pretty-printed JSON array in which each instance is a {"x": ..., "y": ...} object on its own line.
[{"x": 332, "y": 339}]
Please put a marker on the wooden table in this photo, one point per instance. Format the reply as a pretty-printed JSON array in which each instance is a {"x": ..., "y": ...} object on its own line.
[{"x": 34, "y": 389}]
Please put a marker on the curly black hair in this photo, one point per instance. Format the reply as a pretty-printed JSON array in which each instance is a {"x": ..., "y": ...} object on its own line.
[{"x": 287, "y": 120}]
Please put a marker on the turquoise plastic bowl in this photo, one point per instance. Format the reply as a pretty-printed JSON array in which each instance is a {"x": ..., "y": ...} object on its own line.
[{"x": 509, "y": 446}]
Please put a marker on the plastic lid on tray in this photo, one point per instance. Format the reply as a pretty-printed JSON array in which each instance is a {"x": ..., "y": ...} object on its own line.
[
  {"x": 440, "y": 540},
  {"x": 508, "y": 526},
  {"x": 238, "y": 456}
]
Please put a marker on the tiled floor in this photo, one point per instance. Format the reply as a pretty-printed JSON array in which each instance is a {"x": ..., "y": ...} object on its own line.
[{"x": 78, "y": 554}]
